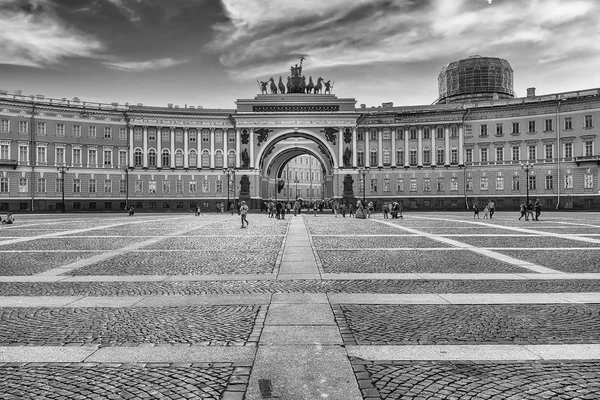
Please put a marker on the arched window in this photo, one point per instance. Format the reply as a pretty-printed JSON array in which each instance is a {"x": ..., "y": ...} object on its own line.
[
  {"x": 231, "y": 159},
  {"x": 205, "y": 159},
  {"x": 453, "y": 155},
  {"x": 166, "y": 159},
  {"x": 137, "y": 157},
  {"x": 193, "y": 159},
  {"x": 387, "y": 156},
  {"x": 426, "y": 156},
  {"x": 373, "y": 156},
  {"x": 400, "y": 156},
  {"x": 218, "y": 159},
  {"x": 413, "y": 156},
  {"x": 152, "y": 158},
  {"x": 440, "y": 155},
  {"x": 360, "y": 157},
  {"x": 179, "y": 158}
]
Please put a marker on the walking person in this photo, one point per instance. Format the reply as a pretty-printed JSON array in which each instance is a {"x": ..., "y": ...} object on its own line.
[
  {"x": 486, "y": 212},
  {"x": 538, "y": 209},
  {"x": 523, "y": 209},
  {"x": 315, "y": 208},
  {"x": 476, "y": 209},
  {"x": 351, "y": 209},
  {"x": 343, "y": 208},
  {"x": 131, "y": 211},
  {"x": 530, "y": 210},
  {"x": 244, "y": 213},
  {"x": 336, "y": 208},
  {"x": 370, "y": 208},
  {"x": 492, "y": 208},
  {"x": 386, "y": 210}
]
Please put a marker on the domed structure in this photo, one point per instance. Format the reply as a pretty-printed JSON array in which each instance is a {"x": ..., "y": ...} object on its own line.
[{"x": 475, "y": 79}]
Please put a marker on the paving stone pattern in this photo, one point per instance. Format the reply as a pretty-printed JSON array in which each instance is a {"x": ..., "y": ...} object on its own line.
[
  {"x": 468, "y": 324},
  {"x": 55, "y": 326},
  {"x": 510, "y": 380},
  {"x": 325, "y": 226},
  {"x": 564, "y": 260},
  {"x": 29, "y": 263},
  {"x": 216, "y": 243},
  {"x": 523, "y": 241},
  {"x": 402, "y": 261},
  {"x": 73, "y": 243},
  {"x": 295, "y": 286},
  {"x": 121, "y": 381},
  {"x": 353, "y": 242},
  {"x": 184, "y": 263}
]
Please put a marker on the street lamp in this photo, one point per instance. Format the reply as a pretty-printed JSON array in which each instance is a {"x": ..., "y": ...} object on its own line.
[
  {"x": 527, "y": 166},
  {"x": 363, "y": 171},
  {"x": 230, "y": 171},
  {"x": 62, "y": 169},
  {"x": 296, "y": 182}
]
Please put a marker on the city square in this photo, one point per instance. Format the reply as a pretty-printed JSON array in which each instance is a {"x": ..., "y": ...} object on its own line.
[{"x": 433, "y": 305}]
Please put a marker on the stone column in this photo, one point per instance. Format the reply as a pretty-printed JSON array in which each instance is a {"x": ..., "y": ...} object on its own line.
[
  {"x": 251, "y": 148},
  {"x": 212, "y": 148},
  {"x": 159, "y": 147},
  {"x": 186, "y": 159},
  {"x": 238, "y": 148},
  {"x": 367, "y": 148},
  {"x": 461, "y": 145},
  {"x": 341, "y": 147},
  {"x": 393, "y": 133},
  {"x": 354, "y": 156},
  {"x": 225, "y": 149},
  {"x": 446, "y": 145},
  {"x": 406, "y": 149},
  {"x": 145, "y": 137},
  {"x": 172, "y": 147},
  {"x": 131, "y": 148},
  {"x": 380, "y": 147},
  {"x": 433, "y": 133},
  {"x": 419, "y": 146}
]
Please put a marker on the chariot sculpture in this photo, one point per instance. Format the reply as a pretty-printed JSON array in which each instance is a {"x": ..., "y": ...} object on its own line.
[{"x": 296, "y": 83}]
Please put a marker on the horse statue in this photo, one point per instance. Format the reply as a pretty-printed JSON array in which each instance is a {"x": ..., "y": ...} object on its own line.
[
  {"x": 318, "y": 86},
  {"x": 263, "y": 87},
  {"x": 273, "y": 86},
  {"x": 281, "y": 86},
  {"x": 303, "y": 85},
  {"x": 328, "y": 87},
  {"x": 310, "y": 86},
  {"x": 289, "y": 84}
]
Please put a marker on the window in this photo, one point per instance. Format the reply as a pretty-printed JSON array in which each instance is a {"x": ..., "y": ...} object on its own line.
[
  {"x": 568, "y": 150},
  {"x": 107, "y": 132},
  {"x": 549, "y": 150},
  {"x": 166, "y": 187},
  {"x": 516, "y": 150},
  {"x": 568, "y": 123},
  {"x": 588, "y": 181},
  {"x": 137, "y": 157},
  {"x": 23, "y": 153},
  {"x": 151, "y": 186},
  {"x": 218, "y": 159},
  {"x": 137, "y": 134},
  {"x": 413, "y": 156},
  {"x": 386, "y": 185},
  {"x": 454, "y": 155},
  {"x": 499, "y": 130},
  {"x": 138, "y": 187},
  {"x": 588, "y": 121},
  {"x": 484, "y": 155},
  {"x": 122, "y": 186},
  {"x": 60, "y": 156},
  {"x": 499, "y": 153},
  {"x": 165, "y": 135},
  {"x": 205, "y": 186},
  {"x": 549, "y": 182},
  {"x": 454, "y": 132},
  {"x": 454, "y": 184},
  {"x": 178, "y": 186},
  {"x": 400, "y": 156},
  {"x": 4, "y": 152},
  {"x": 193, "y": 187},
  {"x": 499, "y": 183},
  {"x": 4, "y": 185},
  {"x": 122, "y": 134},
  {"x": 219, "y": 186},
  {"x": 413, "y": 134},
  {"x": 515, "y": 128},
  {"x": 413, "y": 184},
  {"x": 400, "y": 185},
  {"x": 205, "y": 136},
  {"x": 178, "y": 135},
  {"x": 361, "y": 184},
  {"x": 58, "y": 185},
  {"x": 373, "y": 185},
  {"x": 387, "y": 156},
  {"x": 531, "y": 127},
  {"x": 427, "y": 185},
  {"x": 41, "y": 155},
  {"x": 387, "y": 134},
  {"x": 179, "y": 158},
  {"x": 484, "y": 183},
  {"x": 92, "y": 205},
  {"x": 469, "y": 183},
  {"x": 193, "y": 159},
  {"x": 426, "y": 155},
  {"x": 152, "y": 134},
  {"x": 360, "y": 157},
  {"x": 92, "y": 159},
  {"x": 107, "y": 186},
  {"x": 23, "y": 185},
  {"x": 439, "y": 133},
  {"x": 5, "y": 125},
  {"x": 76, "y": 130},
  {"x": 231, "y": 136},
  {"x": 532, "y": 150},
  {"x": 440, "y": 184},
  {"x": 231, "y": 159},
  {"x": 122, "y": 158},
  {"x": 400, "y": 134},
  {"x": 205, "y": 159},
  {"x": 532, "y": 182},
  {"x": 218, "y": 136},
  {"x": 568, "y": 181},
  {"x": 468, "y": 155},
  {"x": 588, "y": 148},
  {"x": 360, "y": 136},
  {"x": 373, "y": 157},
  {"x": 41, "y": 128},
  {"x": 166, "y": 204},
  {"x": 548, "y": 125},
  {"x": 165, "y": 158},
  {"x": 92, "y": 186},
  {"x": 23, "y": 127},
  {"x": 92, "y": 132},
  {"x": 108, "y": 157},
  {"x": 483, "y": 130},
  {"x": 515, "y": 183},
  {"x": 440, "y": 156},
  {"x": 192, "y": 136},
  {"x": 41, "y": 185}
]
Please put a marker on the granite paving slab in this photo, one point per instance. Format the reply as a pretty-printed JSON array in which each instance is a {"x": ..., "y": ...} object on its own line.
[
  {"x": 217, "y": 243},
  {"x": 15, "y": 263},
  {"x": 524, "y": 241},
  {"x": 564, "y": 260}
]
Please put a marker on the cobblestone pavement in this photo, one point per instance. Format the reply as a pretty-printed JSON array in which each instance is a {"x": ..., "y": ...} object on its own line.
[
  {"x": 509, "y": 380},
  {"x": 523, "y": 241},
  {"x": 468, "y": 324},
  {"x": 59, "y": 326},
  {"x": 29, "y": 263},
  {"x": 326, "y": 226},
  {"x": 354, "y": 242},
  {"x": 402, "y": 261},
  {"x": 229, "y": 261},
  {"x": 216, "y": 243},
  {"x": 565, "y": 260},
  {"x": 382, "y": 286},
  {"x": 72, "y": 243},
  {"x": 122, "y": 381}
]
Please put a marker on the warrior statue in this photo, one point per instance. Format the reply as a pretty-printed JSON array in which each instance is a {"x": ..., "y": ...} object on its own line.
[
  {"x": 328, "y": 87},
  {"x": 303, "y": 85},
  {"x": 281, "y": 86},
  {"x": 310, "y": 86},
  {"x": 263, "y": 87}
]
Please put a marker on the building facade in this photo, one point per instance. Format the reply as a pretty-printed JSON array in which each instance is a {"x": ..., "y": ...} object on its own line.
[{"x": 439, "y": 156}]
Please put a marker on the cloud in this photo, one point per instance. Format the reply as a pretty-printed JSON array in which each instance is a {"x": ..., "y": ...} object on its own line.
[
  {"x": 262, "y": 37},
  {"x": 126, "y": 9},
  {"x": 33, "y": 35},
  {"x": 137, "y": 66}
]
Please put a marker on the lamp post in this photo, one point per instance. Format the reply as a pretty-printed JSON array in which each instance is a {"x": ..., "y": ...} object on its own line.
[
  {"x": 527, "y": 166},
  {"x": 62, "y": 169},
  {"x": 296, "y": 182},
  {"x": 229, "y": 171},
  {"x": 363, "y": 171}
]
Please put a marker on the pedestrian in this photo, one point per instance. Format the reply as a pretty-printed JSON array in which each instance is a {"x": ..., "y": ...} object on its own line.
[
  {"x": 386, "y": 210},
  {"x": 492, "y": 208},
  {"x": 244, "y": 213},
  {"x": 530, "y": 210},
  {"x": 315, "y": 208},
  {"x": 399, "y": 204},
  {"x": 486, "y": 212},
  {"x": 476, "y": 209},
  {"x": 9, "y": 219},
  {"x": 197, "y": 210},
  {"x": 343, "y": 208},
  {"x": 538, "y": 209},
  {"x": 351, "y": 209},
  {"x": 336, "y": 208},
  {"x": 131, "y": 211},
  {"x": 370, "y": 209},
  {"x": 288, "y": 208},
  {"x": 231, "y": 208},
  {"x": 523, "y": 209}
]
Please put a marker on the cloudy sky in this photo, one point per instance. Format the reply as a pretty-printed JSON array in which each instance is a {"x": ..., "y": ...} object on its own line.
[{"x": 211, "y": 52}]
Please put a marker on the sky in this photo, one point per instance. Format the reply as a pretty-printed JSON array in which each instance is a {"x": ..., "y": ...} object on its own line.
[{"x": 211, "y": 52}]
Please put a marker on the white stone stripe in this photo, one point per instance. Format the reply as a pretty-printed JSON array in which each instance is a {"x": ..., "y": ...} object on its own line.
[
  {"x": 482, "y": 352},
  {"x": 484, "y": 252}
]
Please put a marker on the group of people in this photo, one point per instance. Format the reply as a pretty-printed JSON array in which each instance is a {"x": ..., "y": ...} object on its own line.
[
  {"x": 488, "y": 211},
  {"x": 9, "y": 219},
  {"x": 527, "y": 210}
]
